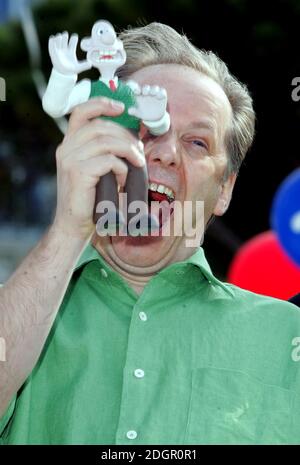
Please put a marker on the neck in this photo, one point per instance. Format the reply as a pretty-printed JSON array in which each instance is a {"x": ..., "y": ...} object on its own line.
[
  {"x": 106, "y": 77},
  {"x": 138, "y": 276},
  {"x": 136, "y": 281}
]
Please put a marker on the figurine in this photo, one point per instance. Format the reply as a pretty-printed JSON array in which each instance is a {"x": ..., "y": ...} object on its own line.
[{"x": 147, "y": 104}]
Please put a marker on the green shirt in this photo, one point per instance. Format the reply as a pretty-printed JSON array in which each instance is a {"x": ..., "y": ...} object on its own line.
[{"x": 190, "y": 361}]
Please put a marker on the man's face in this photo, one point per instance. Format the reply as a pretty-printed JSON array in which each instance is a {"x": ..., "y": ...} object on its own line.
[{"x": 190, "y": 159}]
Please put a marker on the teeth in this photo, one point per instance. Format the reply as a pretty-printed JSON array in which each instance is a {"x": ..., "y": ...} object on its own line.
[
  {"x": 169, "y": 193},
  {"x": 153, "y": 186},
  {"x": 108, "y": 52},
  {"x": 161, "y": 189}
]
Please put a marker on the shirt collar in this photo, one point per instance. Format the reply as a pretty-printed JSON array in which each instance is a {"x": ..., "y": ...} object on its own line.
[
  {"x": 88, "y": 255},
  {"x": 198, "y": 259}
]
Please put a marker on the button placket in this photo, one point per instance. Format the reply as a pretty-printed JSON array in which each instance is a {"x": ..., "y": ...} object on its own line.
[{"x": 133, "y": 387}]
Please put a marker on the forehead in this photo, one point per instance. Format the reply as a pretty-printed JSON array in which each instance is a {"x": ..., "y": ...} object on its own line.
[{"x": 190, "y": 93}]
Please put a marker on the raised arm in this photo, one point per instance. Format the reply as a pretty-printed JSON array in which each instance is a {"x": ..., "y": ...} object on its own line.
[
  {"x": 62, "y": 93},
  {"x": 30, "y": 299}
]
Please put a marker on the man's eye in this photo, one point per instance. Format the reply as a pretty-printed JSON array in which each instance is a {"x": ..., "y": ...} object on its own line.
[{"x": 200, "y": 143}]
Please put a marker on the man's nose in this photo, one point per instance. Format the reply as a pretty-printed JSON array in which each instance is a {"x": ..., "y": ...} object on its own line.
[
  {"x": 108, "y": 37},
  {"x": 166, "y": 150}
]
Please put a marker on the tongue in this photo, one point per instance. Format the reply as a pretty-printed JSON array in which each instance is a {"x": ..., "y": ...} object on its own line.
[
  {"x": 157, "y": 196},
  {"x": 161, "y": 210}
]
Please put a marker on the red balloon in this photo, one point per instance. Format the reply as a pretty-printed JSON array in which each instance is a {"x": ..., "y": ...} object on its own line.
[{"x": 262, "y": 266}]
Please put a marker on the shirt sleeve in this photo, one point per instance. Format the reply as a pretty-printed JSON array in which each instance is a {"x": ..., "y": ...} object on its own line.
[
  {"x": 7, "y": 416},
  {"x": 62, "y": 93}
]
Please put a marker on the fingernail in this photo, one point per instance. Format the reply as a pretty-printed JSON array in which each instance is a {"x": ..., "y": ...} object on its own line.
[
  {"x": 140, "y": 155},
  {"x": 141, "y": 146},
  {"x": 117, "y": 105},
  {"x": 141, "y": 161}
]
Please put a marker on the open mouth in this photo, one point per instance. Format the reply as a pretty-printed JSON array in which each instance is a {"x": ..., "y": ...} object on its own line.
[
  {"x": 160, "y": 198},
  {"x": 160, "y": 193},
  {"x": 105, "y": 55}
]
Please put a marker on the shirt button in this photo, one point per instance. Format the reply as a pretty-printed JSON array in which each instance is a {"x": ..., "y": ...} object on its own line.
[
  {"x": 139, "y": 373},
  {"x": 143, "y": 316},
  {"x": 104, "y": 273},
  {"x": 131, "y": 434}
]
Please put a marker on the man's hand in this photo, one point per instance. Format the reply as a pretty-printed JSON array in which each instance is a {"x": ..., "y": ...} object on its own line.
[
  {"x": 92, "y": 147},
  {"x": 63, "y": 54},
  {"x": 151, "y": 102}
]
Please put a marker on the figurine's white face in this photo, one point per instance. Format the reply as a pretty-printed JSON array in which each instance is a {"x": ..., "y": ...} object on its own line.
[{"x": 104, "y": 51}]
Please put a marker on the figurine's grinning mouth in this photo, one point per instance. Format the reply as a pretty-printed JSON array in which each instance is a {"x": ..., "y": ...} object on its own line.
[{"x": 105, "y": 55}]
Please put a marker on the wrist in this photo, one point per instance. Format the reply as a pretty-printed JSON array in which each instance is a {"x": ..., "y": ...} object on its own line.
[
  {"x": 67, "y": 77},
  {"x": 67, "y": 237}
]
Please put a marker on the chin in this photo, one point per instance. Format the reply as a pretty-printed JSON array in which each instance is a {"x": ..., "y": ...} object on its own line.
[{"x": 140, "y": 251}]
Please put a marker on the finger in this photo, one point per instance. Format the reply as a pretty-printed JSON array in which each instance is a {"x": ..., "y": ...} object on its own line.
[
  {"x": 154, "y": 90},
  {"x": 91, "y": 109},
  {"x": 133, "y": 111},
  {"x": 58, "y": 39},
  {"x": 73, "y": 42},
  {"x": 83, "y": 66},
  {"x": 162, "y": 94},
  {"x": 133, "y": 86},
  {"x": 64, "y": 39},
  {"x": 137, "y": 90},
  {"x": 51, "y": 44},
  {"x": 146, "y": 90},
  {"x": 104, "y": 145},
  {"x": 100, "y": 166},
  {"x": 97, "y": 128}
]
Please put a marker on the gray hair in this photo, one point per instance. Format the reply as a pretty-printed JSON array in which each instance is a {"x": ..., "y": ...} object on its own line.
[{"x": 158, "y": 43}]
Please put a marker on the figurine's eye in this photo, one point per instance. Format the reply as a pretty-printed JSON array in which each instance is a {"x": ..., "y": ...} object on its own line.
[{"x": 100, "y": 31}]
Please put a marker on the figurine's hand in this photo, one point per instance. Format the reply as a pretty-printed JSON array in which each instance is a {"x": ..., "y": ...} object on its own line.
[
  {"x": 151, "y": 102},
  {"x": 63, "y": 54}
]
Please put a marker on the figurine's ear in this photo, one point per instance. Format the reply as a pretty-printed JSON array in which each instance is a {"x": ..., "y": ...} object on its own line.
[{"x": 85, "y": 44}]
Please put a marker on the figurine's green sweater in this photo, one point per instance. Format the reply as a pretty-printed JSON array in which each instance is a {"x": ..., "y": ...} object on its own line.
[{"x": 122, "y": 93}]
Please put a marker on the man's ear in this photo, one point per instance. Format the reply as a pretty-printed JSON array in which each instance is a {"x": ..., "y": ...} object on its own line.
[{"x": 225, "y": 195}]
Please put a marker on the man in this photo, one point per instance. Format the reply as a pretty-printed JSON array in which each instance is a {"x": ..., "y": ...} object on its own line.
[{"x": 136, "y": 342}]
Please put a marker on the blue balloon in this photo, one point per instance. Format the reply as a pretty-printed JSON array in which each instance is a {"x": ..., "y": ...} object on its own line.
[{"x": 285, "y": 215}]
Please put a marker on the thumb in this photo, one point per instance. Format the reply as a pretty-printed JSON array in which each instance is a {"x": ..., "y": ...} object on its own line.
[
  {"x": 83, "y": 66},
  {"x": 133, "y": 111}
]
